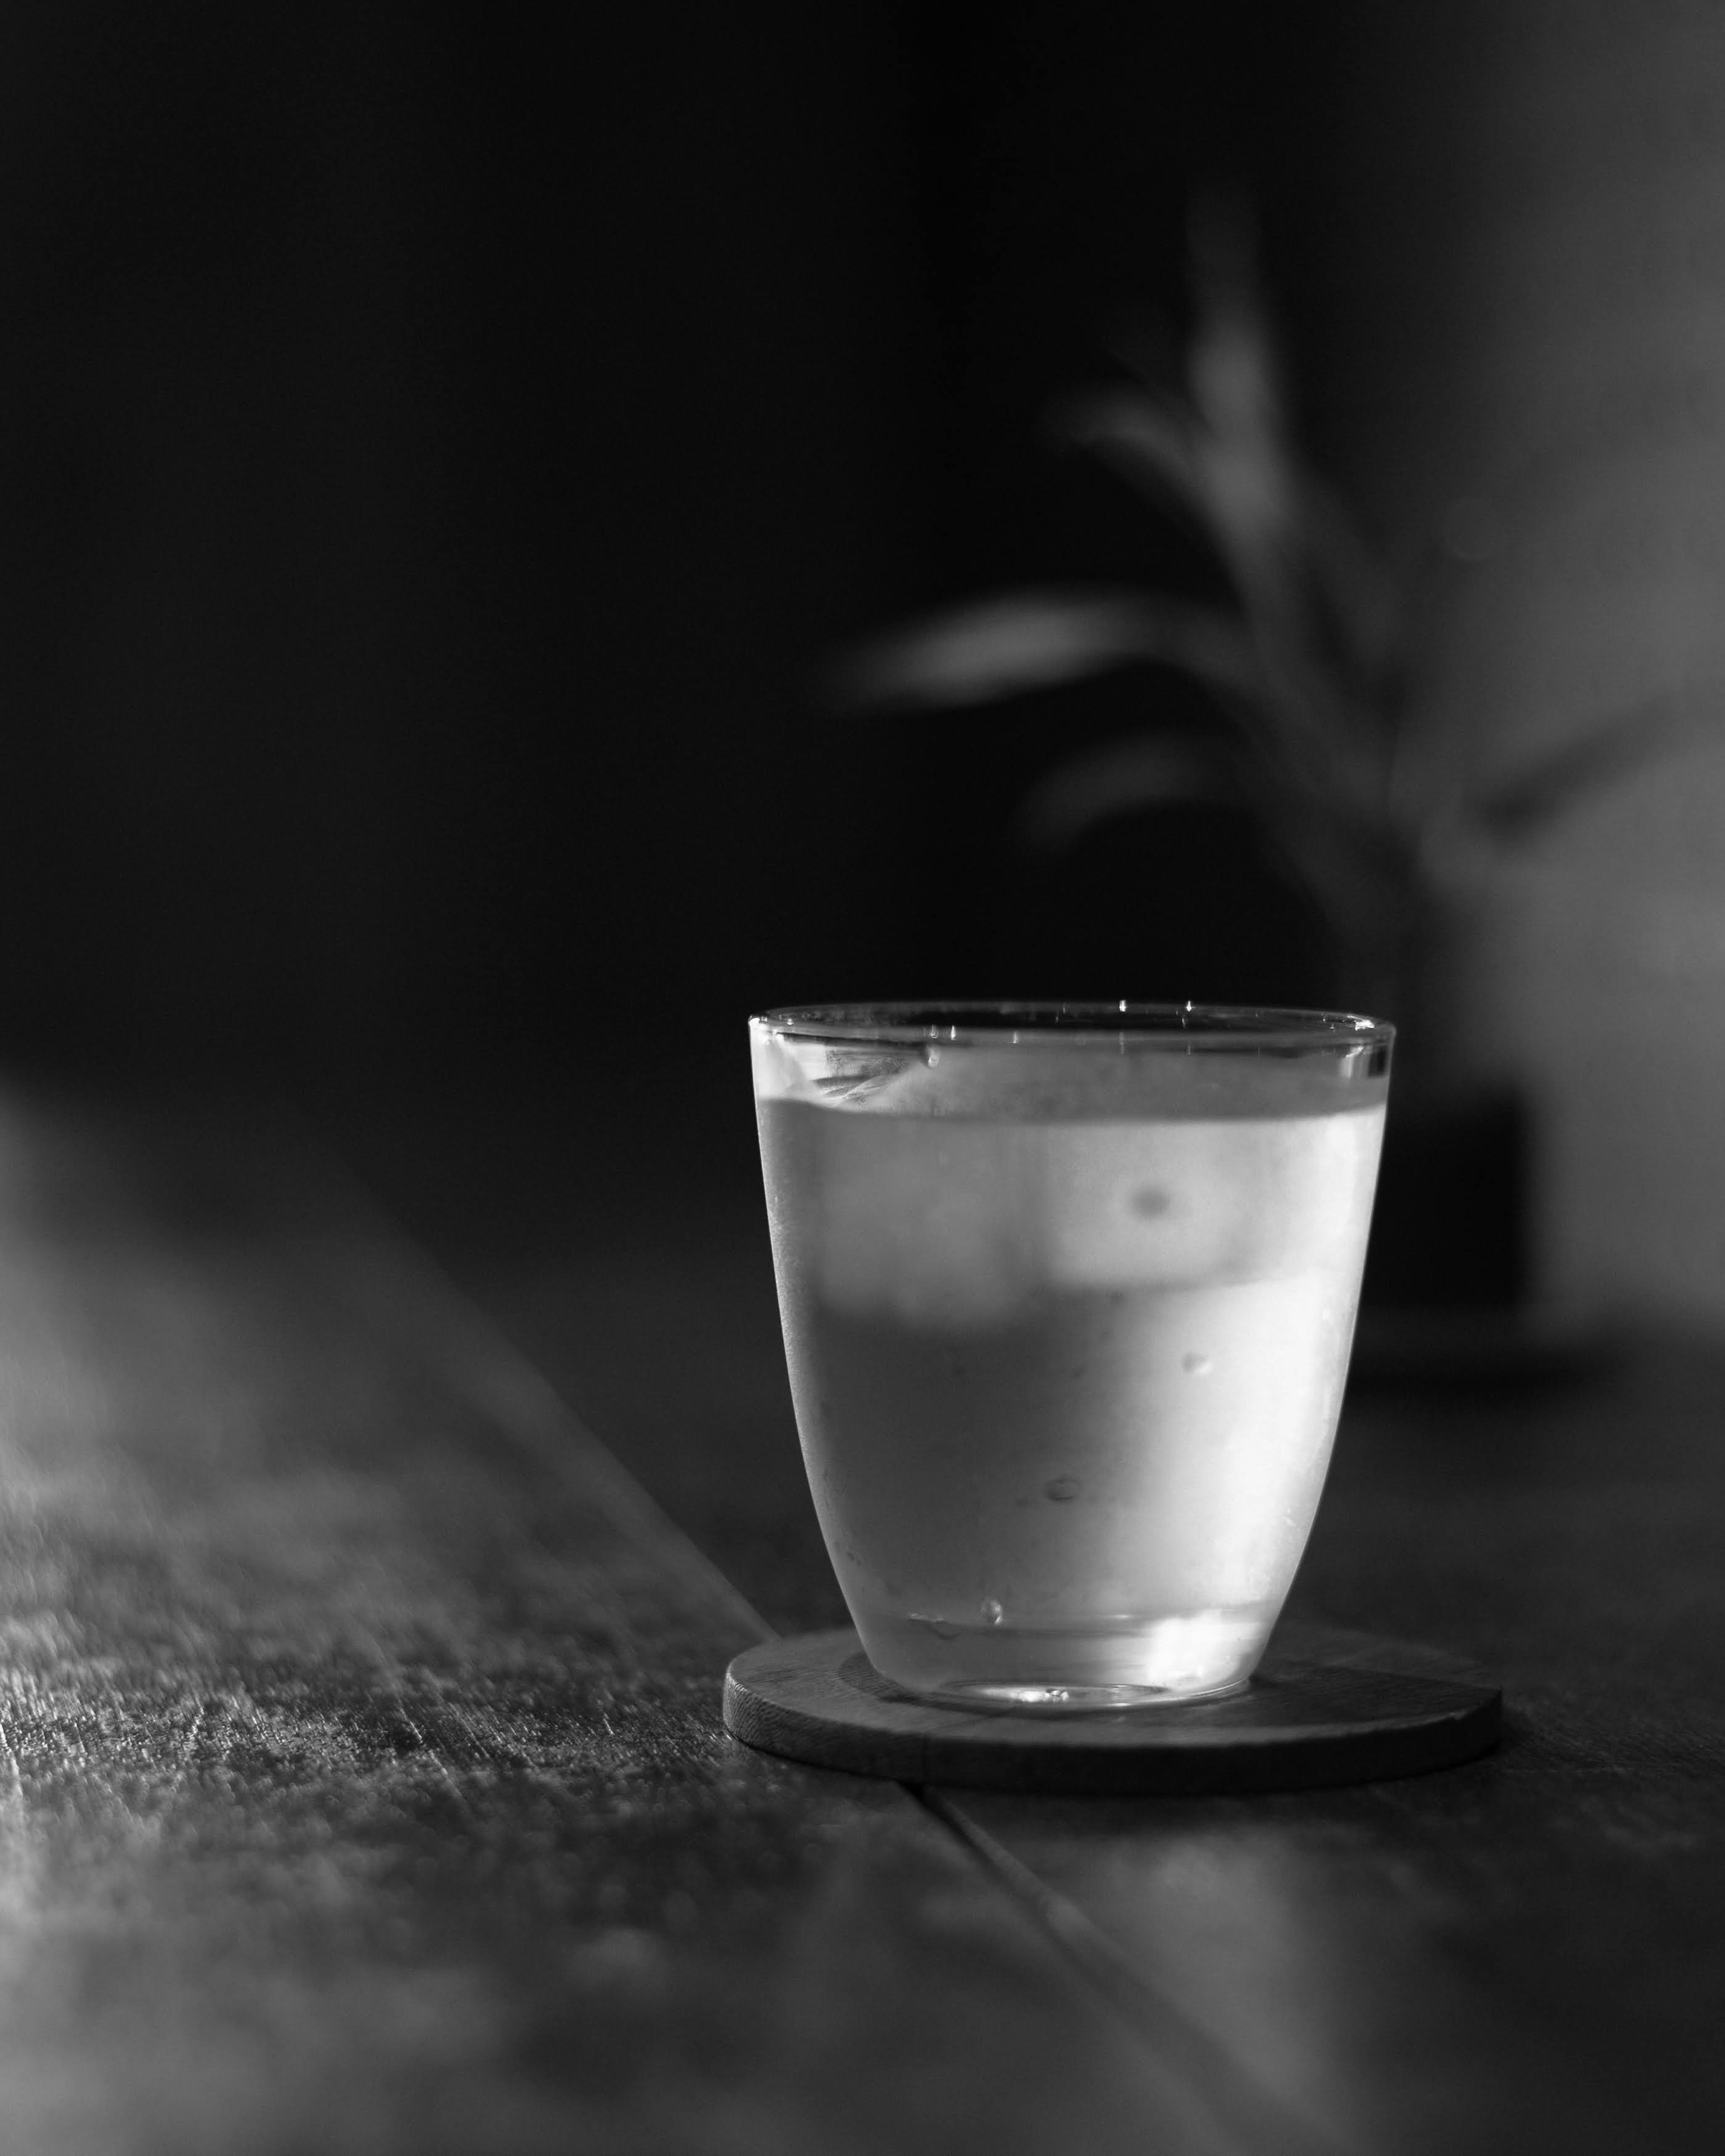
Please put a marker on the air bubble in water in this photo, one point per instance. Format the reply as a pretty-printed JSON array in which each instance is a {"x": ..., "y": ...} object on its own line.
[
  {"x": 1063, "y": 1489},
  {"x": 1196, "y": 1365},
  {"x": 993, "y": 1614}
]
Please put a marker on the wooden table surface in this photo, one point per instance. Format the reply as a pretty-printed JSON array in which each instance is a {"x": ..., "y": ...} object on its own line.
[{"x": 364, "y": 1789}]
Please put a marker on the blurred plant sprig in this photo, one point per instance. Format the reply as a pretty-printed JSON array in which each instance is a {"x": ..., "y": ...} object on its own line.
[{"x": 1310, "y": 661}]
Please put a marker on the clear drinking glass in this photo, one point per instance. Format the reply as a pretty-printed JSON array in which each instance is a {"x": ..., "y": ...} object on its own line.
[{"x": 1068, "y": 1292}]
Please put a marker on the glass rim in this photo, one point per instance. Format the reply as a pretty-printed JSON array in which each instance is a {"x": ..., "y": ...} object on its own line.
[{"x": 1122, "y": 1025}]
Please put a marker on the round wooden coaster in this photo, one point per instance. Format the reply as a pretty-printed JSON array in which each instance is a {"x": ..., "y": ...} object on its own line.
[{"x": 1326, "y": 1706}]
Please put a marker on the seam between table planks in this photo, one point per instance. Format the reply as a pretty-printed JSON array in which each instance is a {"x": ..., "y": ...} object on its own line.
[
  {"x": 536, "y": 1416},
  {"x": 1243, "y": 2101}
]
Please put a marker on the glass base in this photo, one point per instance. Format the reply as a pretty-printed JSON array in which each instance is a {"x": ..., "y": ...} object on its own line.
[
  {"x": 1102, "y": 1663},
  {"x": 1069, "y": 1698}
]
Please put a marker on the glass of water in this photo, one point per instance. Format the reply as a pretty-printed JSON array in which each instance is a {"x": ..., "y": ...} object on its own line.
[{"x": 1068, "y": 1292}]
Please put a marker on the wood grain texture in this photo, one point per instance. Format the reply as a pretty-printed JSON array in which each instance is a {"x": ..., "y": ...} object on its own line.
[
  {"x": 1327, "y": 1708},
  {"x": 1526, "y": 1953},
  {"x": 362, "y": 1786}
]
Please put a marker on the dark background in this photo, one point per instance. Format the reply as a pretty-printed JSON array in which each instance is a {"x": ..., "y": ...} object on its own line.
[{"x": 441, "y": 449}]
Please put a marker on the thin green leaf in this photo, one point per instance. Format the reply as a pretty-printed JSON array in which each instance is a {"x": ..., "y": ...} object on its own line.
[
  {"x": 1031, "y": 640},
  {"x": 1150, "y": 444},
  {"x": 1537, "y": 796},
  {"x": 1153, "y": 770}
]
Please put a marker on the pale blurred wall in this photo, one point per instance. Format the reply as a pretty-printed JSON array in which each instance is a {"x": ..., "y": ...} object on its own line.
[{"x": 1538, "y": 219}]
